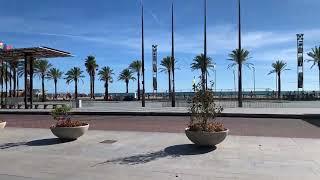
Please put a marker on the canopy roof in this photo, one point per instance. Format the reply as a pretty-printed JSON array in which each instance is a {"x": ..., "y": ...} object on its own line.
[{"x": 36, "y": 52}]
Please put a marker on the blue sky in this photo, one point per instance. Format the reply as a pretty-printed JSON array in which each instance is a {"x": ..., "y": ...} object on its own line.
[{"x": 110, "y": 30}]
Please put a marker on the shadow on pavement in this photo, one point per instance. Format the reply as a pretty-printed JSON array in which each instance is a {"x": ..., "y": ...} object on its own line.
[
  {"x": 188, "y": 149},
  {"x": 313, "y": 121},
  {"x": 11, "y": 145},
  {"x": 47, "y": 142},
  {"x": 39, "y": 142},
  {"x": 171, "y": 151}
]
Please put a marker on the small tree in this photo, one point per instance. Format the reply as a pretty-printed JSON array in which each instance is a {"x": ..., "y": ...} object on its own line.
[
  {"x": 74, "y": 75},
  {"x": 105, "y": 75},
  {"x": 136, "y": 66},
  {"x": 42, "y": 67},
  {"x": 91, "y": 67},
  {"x": 239, "y": 57},
  {"x": 278, "y": 67},
  {"x": 315, "y": 55},
  {"x": 54, "y": 74},
  {"x": 63, "y": 117},
  {"x": 204, "y": 65},
  {"x": 126, "y": 75},
  {"x": 204, "y": 111}
]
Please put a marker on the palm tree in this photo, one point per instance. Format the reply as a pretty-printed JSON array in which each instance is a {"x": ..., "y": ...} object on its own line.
[
  {"x": 41, "y": 68},
  {"x": 315, "y": 55},
  {"x": 126, "y": 75},
  {"x": 74, "y": 75},
  {"x": 54, "y": 74},
  {"x": 91, "y": 67},
  {"x": 239, "y": 57},
  {"x": 166, "y": 64},
  {"x": 136, "y": 66},
  {"x": 105, "y": 74},
  {"x": 204, "y": 66},
  {"x": 278, "y": 67}
]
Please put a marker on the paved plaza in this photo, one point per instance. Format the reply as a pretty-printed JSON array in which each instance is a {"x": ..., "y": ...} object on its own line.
[
  {"x": 36, "y": 154},
  {"x": 258, "y": 108},
  {"x": 274, "y": 127}
]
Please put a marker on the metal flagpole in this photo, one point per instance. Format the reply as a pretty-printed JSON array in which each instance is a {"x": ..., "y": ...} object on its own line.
[
  {"x": 239, "y": 48},
  {"x": 173, "y": 98},
  {"x": 142, "y": 58}
]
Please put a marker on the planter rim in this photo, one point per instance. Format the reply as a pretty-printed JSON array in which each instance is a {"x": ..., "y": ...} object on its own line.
[
  {"x": 187, "y": 129},
  {"x": 87, "y": 124}
]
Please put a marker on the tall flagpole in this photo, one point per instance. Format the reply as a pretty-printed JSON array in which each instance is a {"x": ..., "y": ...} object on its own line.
[
  {"x": 173, "y": 98},
  {"x": 205, "y": 42},
  {"x": 240, "y": 65},
  {"x": 142, "y": 58}
]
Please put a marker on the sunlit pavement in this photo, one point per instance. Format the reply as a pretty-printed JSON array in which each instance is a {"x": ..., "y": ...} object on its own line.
[{"x": 36, "y": 154}]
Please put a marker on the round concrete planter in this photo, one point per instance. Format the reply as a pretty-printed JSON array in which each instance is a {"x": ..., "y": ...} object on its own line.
[
  {"x": 2, "y": 125},
  {"x": 69, "y": 133},
  {"x": 206, "y": 138}
]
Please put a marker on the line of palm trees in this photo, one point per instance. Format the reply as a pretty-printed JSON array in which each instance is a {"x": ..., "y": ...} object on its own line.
[{"x": 12, "y": 71}]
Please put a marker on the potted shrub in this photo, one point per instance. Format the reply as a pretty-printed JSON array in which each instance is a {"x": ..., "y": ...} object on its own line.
[
  {"x": 203, "y": 128},
  {"x": 2, "y": 124},
  {"x": 65, "y": 128}
]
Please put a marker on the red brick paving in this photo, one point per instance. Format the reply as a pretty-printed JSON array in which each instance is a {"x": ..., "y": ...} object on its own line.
[{"x": 238, "y": 126}]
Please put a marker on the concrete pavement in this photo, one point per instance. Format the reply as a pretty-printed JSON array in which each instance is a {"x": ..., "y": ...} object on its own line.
[{"x": 36, "y": 154}]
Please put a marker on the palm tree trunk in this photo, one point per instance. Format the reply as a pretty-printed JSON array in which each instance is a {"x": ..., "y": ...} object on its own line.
[
  {"x": 127, "y": 87},
  {"x": 203, "y": 79},
  {"x": 1, "y": 83},
  {"x": 42, "y": 84},
  {"x": 93, "y": 96},
  {"x": 240, "y": 85},
  {"x": 138, "y": 86},
  {"x": 55, "y": 89},
  {"x": 10, "y": 82},
  {"x": 319, "y": 76},
  {"x": 17, "y": 85},
  {"x": 106, "y": 93},
  {"x": 279, "y": 85},
  {"x": 14, "y": 82},
  {"x": 206, "y": 81},
  {"x": 169, "y": 76},
  {"x": 76, "y": 89},
  {"x": 90, "y": 86},
  {"x": 6, "y": 79}
]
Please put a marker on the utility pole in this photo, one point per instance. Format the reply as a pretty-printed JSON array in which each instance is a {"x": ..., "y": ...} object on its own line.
[
  {"x": 173, "y": 98},
  {"x": 142, "y": 58}
]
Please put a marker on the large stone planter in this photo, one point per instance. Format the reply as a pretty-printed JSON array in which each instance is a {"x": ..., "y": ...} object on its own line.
[
  {"x": 69, "y": 133},
  {"x": 2, "y": 125},
  {"x": 206, "y": 138}
]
